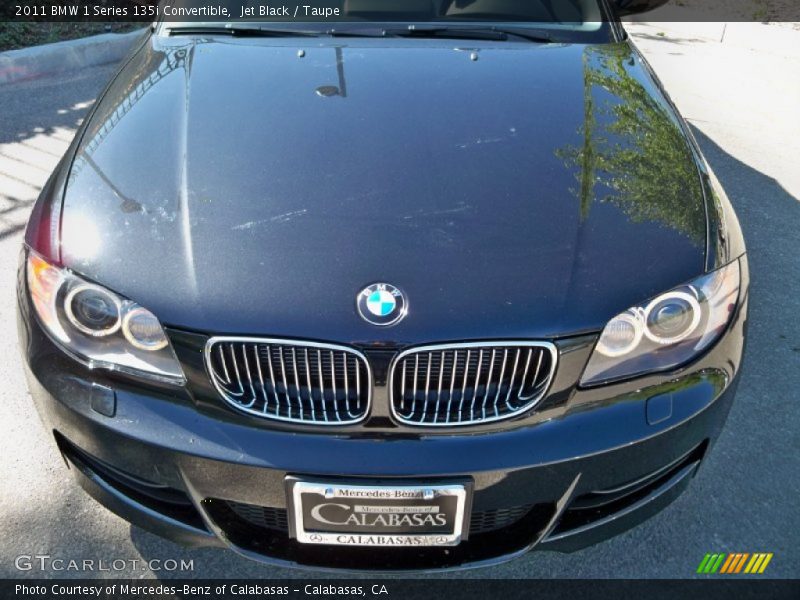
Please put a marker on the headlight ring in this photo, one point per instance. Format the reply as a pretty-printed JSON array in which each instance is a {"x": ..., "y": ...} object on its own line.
[
  {"x": 626, "y": 325},
  {"x": 152, "y": 329},
  {"x": 679, "y": 310},
  {"x": 87, "y": 303}
]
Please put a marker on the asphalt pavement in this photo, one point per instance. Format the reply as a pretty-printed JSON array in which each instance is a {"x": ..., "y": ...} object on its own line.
[{"x": 742, "y": 104}]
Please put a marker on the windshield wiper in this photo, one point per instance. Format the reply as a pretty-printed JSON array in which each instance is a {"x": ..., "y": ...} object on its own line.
[
  {"x": 412, "y": 31},
  {"x": 476, "y": 33},
  {"x": 243, "y": 31}
]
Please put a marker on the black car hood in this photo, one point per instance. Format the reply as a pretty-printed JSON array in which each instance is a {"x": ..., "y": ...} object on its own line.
[{"x": 235, "y": 186}]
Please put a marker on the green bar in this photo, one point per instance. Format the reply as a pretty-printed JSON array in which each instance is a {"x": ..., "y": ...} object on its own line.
[
  {"x": 703, "y": 563},
  {"x": 718, "y": 564},
  {"x": 711, "y": 562}
]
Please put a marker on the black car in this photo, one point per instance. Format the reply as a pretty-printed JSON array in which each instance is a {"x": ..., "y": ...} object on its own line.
[{"x": 433, "y": 285}]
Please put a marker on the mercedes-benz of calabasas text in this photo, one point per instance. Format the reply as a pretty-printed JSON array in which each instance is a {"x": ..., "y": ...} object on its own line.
[{"x": 431, "y": 285}]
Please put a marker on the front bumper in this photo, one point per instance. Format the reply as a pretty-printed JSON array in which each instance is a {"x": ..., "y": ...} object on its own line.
[{"x": 598, "y": 463}]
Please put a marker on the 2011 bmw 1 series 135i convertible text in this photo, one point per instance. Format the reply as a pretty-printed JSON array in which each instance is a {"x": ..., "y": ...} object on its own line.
[{"x": 437, "y": 283}]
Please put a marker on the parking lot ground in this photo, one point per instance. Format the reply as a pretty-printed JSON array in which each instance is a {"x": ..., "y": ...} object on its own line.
[{"x": 741, "y": 101}]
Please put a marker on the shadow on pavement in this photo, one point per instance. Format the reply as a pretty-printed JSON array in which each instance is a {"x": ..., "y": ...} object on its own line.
[
  {"x": 750, "y": 465},
  {"x": 37, "y": 122},
  {"x": 669, "y": 39}
]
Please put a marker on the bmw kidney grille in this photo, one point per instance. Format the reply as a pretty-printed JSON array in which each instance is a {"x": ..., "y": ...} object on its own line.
[
  {"x": 467, "y": 384},
  {"x": 429, "y": 386},
  {"x": 285, "y": 380}
]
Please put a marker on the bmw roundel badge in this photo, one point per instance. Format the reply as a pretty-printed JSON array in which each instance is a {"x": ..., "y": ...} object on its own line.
[{"x": 381, "y": 304}]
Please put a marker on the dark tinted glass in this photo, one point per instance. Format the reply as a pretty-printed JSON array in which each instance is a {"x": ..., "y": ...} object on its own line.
[{"x": 502, "y": 11}]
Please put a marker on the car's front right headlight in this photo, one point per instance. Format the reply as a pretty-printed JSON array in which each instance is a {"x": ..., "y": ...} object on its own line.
[
  {"x": 97, "y": 326},
  {"x": 669, "y": 330}
]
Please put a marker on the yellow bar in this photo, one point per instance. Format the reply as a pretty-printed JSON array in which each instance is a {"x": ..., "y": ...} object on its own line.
[
  {"x": 758, "y": 563},
  {"x": 741, "y": 562},
  {"x": 765, "y": 563},
  {"x": 724, "y": 568},
  {"x": 749, "y": 567}
]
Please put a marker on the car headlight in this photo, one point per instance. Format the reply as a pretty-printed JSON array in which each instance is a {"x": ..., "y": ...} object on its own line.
[
  {"x": 97, "y": 326},
  {"x": 669, "y": 330}
]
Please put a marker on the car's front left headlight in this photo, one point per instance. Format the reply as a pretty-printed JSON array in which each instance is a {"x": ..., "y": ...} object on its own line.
[
  {"x": 97, "y": 326},
  {"x": 666, "y": 332}
]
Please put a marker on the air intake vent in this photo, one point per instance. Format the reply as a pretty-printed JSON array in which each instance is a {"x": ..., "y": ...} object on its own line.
[
  {"x": 466, "y": 384},
  {"x": 301, "y": 382}
]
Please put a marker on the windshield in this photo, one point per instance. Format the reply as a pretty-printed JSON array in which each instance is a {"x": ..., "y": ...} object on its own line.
[{"x": 358, "y": 15}]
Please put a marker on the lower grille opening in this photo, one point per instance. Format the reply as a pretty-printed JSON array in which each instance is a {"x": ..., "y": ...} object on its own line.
[
  {"x": 276, "y": 519},
  {"x": 155, "y": 496},
  {"x": 492, "y": 520},
  {"x": 598, "y": 505},
  {"x": 266, "y": 517},
  {"x": 264, "y": 530}
]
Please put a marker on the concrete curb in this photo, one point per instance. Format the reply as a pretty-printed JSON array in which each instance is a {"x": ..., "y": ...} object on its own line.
[{"x": 30, "y": 63}]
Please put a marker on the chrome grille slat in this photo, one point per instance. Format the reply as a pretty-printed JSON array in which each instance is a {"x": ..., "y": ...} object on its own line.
[
  {"x": 358, "y": 383},
  {"x": 310, "y": 386},
  {"x": 224, "y": 365},
  {"x": 286, "y": 380},
  {"x": 502, "y": 373},
  {"x": 439, "y": 389},
  {"x": 249, "y": 377},
  {"x": 261, "y": 381},
  {"x": 272, "y": 381},
  {"x": 477, "y": 385},
  {"x": 403, "y": 388},
  {"x": 432, "y": 386},
  {"x": 416, "y": 370},
  {"x": 513, "y": 375},
  {"x": 488, "y": 385},
  {"x": 452, "y": 383},
  {"x": 427, "y": 382},
  {"x": 346, "y": 387},
  {"x": 333, "y": 380},
  {"x": 285, "y": 391},
  {"x": 236, "y": 370},
  {"x": 536, "y": 374},
  {"x": 527, "y": 366},
  {"x": 321, "y": 383},
  {"x": 464, "y": 386},
  {"x": 297, "y": 382}
]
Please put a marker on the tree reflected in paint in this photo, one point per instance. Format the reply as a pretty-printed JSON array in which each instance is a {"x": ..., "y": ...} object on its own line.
[{"x": 634, "y": 153}]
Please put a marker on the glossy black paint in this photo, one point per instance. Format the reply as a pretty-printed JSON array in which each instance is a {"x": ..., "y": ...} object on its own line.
[
  {"x": 599, "y": 437},
  {"x": 532, "y": 193},
  {"x": 539, "y": 204}
]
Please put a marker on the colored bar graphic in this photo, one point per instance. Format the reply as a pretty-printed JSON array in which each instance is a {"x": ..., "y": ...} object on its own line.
[
  {"x": 765, "y": 563},
  {"x": 757, "y": 566},
  {"x": 703, "y": 563},
  {"x": 729, "y": 563},
  {"x": 717, "y": 563},
  {"x": 740, "y": 564},
  {"x": 733, "y": 563},
  {"x": 749, "y": 567}
]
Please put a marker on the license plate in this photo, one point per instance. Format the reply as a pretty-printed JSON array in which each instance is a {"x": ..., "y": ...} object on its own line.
[{"x": 365, "y": 515}]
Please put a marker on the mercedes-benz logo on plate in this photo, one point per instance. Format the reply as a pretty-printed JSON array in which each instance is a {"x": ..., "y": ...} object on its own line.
[{"x": 381, "y": 304}]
